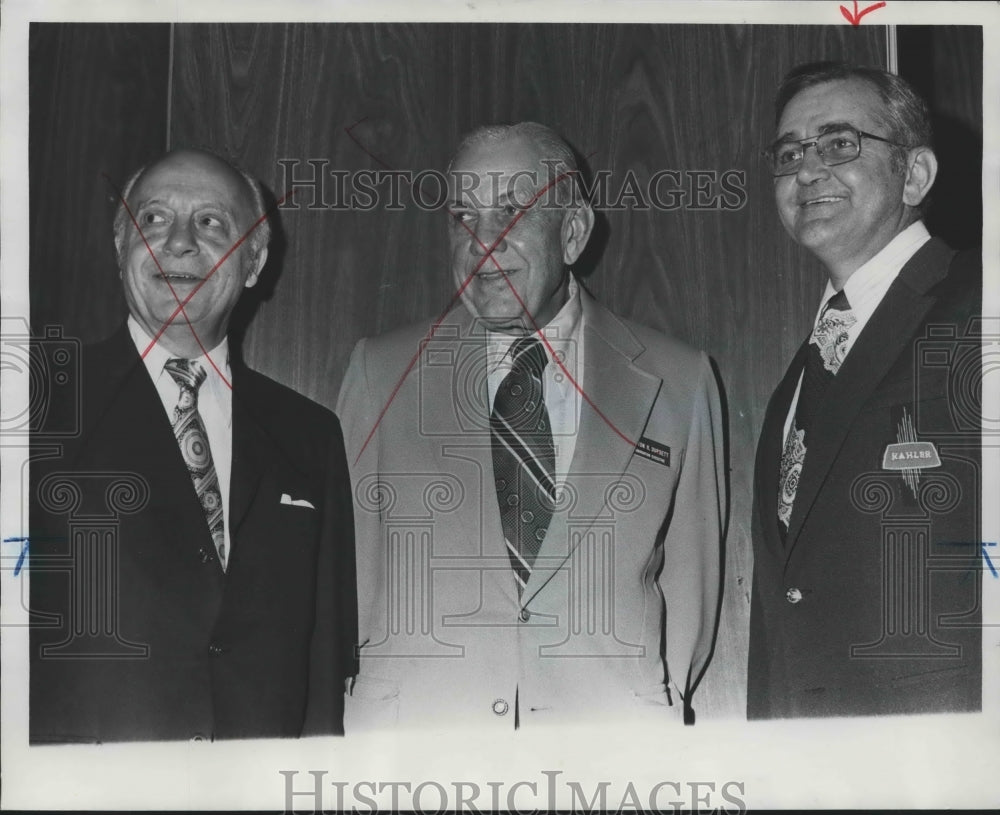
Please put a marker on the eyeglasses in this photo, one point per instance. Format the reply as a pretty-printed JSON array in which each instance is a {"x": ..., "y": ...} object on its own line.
[{"x": 835, "y": 147}]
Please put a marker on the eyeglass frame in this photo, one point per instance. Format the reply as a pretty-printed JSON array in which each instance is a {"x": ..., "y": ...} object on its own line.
[{"x": 813, "y": 141}]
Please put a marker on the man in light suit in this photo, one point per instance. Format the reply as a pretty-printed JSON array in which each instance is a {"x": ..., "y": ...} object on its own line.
[
  {"x": 539, "y": 484},
  {"x": 192, "y": 548},
  {"x": 866, "y": 594}
]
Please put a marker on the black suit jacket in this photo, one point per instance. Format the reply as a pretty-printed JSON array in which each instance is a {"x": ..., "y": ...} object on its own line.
[
  {"x": 872, "y": 605},
  {"x": 137, "y": 633}
]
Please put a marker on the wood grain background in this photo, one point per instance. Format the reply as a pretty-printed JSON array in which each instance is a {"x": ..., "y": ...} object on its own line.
[{"x": 638, "y": 98}]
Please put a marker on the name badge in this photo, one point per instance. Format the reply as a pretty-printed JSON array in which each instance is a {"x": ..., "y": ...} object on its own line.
[
  {"x": 911, "y": 455},
  {"x": 654, "y": 451}
]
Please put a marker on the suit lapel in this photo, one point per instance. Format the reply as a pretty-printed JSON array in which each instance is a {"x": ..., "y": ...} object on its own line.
[
  {"x": 769, "y": 449},
  {"x": 250, "y": 444},
  {"x": 450, "y": 401},
  {"x": 125, "y": 414},
  {"x": 616, "y": 406},
  {"x": 889, "y": 331},
  {"x": 127, "y": 427}
]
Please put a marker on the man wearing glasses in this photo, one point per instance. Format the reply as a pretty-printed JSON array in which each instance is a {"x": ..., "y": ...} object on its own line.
[{"x": 866, "y": 506}]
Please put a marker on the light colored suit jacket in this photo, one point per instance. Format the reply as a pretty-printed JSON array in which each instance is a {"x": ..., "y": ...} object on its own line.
[{"x": 626, "y": 585}]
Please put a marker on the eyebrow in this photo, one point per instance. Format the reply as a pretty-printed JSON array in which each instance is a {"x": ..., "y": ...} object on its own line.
[
  {"x": 198, "y": 203},
  {"x": 826, "y": 127},
  {"x": 502, "y": 199}
]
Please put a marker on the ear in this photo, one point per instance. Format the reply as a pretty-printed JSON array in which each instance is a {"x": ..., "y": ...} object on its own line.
[
  {"x": 255, "y": 271},
  {"x": 578, "y": 223},
  {"x": 921, "y": 170}
]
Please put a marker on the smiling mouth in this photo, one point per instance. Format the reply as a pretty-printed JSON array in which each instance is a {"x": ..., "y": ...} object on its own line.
[
  {"x": 826, "y": 199},
  {"x": 179, "y": 277},
  {"x": 495, "y": 274}
]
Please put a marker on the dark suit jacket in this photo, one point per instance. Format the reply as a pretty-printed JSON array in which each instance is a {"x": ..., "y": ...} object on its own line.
[
  {"x": 137, "y": 633},
  {"x": 873, "y": 604}
]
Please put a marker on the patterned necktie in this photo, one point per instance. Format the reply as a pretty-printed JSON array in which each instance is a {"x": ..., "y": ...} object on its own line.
[
  {"x": 524, "y": 459},
  {"x": 193, "y": 440},
  {"x": 827, "y": 348}
]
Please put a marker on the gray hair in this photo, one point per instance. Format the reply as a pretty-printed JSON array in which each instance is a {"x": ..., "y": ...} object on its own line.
[{"x": 559, "y": 156}]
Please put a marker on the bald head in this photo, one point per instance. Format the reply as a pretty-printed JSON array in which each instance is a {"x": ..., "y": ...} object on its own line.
[
  {"x": 184, "y": 273},
  {"x": 512, "y": 236},
  {"x": 257, "y": 241}
]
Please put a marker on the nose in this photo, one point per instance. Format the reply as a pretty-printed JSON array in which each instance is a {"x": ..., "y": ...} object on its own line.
[
  {"x": 812, "y": 167},
  {"x": 181, "y": 239},
  {"x": 489, "y": 231}
]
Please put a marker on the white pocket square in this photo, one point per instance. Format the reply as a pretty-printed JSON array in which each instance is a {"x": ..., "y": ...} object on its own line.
[{"x": 295, "y": 502}]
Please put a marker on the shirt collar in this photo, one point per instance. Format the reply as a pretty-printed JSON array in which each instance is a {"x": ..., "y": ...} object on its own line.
[
  {"x": 157, "y": 356},
  {"x": 864, "y": 288},
  {"x": 562, "y": 333}
]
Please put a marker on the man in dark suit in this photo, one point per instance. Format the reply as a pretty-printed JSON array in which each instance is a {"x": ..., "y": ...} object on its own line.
[
  {"x": 192, "y": 548},
  {"x": 866, "y": 593},
  {"x": 539, "y": 483}
]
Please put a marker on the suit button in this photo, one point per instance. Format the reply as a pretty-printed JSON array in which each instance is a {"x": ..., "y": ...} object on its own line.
[
  {"x": 500, "y": 707},
  {"x": 793, "y": 596},
  {"x": 525, "y": 615},
  {"x": 216, "y": 650},
  {"x": 205, "y": 555},
  {"x": 197, "y": 737}
]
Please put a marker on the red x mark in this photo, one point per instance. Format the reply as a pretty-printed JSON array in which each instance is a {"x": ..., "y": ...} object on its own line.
[
  {"x": 488, "y": 256},
  {"x": 181, "y": 303}
]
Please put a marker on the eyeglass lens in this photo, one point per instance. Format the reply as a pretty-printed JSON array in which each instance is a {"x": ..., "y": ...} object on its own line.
[{"x": 835, "y": 147}]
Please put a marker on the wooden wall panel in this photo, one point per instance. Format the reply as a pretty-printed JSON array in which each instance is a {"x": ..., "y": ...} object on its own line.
[
  {"x": 98, "y": 105},
  {"x": 640, "y": 98},
  {"x": 945, "y": 63}
]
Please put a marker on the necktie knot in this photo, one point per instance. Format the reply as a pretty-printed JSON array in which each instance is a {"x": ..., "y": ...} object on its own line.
[
  {"x": 527, "y": 354},
  {"x": 188, "y": 375},
  {"x": 831, "y": 335},
  {"x": 838, "y": 302}
]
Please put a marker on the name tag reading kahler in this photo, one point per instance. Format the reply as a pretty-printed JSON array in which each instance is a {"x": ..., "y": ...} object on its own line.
[{"x": 911, "y": 455}]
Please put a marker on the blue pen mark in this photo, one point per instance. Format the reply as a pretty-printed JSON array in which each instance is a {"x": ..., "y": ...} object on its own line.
[
  {"x": 24, "y": 551},
  {"x": 986, "y": 556},
  {"x": 22, "y": 556},
  {"x": 982, "y": 547}
]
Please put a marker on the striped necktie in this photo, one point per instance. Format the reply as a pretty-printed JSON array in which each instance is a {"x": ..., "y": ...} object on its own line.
[
  {"x": 523, "y": 457},
  {"x": 192, "y": 438},
  {"x": 827, "y": 348}
]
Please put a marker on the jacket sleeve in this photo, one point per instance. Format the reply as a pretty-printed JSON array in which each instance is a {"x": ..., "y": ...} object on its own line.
[
  {"x": 335, "y": 630},
  {"x": 359, "y": 411},
  {"x": 692, "y": 572}
]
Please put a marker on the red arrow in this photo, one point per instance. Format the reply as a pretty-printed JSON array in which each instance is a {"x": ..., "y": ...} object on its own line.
[{"x": 855, "y": 18}]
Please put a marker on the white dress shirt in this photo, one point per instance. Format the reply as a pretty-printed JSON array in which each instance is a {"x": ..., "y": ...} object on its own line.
[
  {"x": 866, "y": 287},
  {"x": 215, "y": 402},
  {"x": 564, "y": 334}
]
